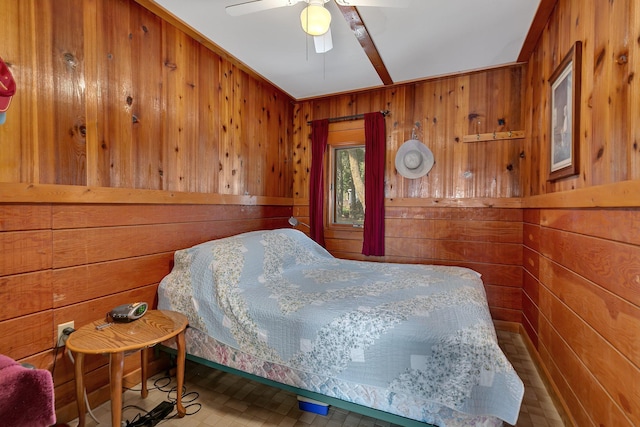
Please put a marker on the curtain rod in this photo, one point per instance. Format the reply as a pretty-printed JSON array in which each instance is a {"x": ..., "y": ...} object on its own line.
[{"x": 384, "y": 113}]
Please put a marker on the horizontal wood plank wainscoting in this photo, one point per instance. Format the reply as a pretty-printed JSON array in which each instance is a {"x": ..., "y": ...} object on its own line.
[
  {"x": 581, "y": 300},
  {"x": 466, "y": 233},
  {"x": 76, "y": 261}
]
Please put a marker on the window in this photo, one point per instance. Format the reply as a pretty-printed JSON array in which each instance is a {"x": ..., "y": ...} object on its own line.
[
  {"x": 345, "y": 175},
  {"x": 348, "y": 185}
]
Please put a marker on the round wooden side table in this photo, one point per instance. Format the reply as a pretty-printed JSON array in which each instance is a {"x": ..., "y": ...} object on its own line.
[{"x": 116, "y": 339}]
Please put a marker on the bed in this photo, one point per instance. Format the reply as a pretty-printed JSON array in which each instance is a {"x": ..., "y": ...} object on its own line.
[{"x": 413, "y": 341}]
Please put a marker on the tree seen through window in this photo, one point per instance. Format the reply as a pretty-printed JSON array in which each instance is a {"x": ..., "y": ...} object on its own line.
[{"x": 349, "y": 202}]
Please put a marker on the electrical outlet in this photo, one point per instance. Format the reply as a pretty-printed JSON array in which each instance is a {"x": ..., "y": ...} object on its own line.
[{"x": 61, "y": 328}]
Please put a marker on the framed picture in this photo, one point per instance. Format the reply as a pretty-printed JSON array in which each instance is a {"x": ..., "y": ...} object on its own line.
[{"x": 565, "y": 116}]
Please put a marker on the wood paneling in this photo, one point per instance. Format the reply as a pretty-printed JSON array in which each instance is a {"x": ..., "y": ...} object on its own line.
[
  {"x": 23, "y": 294},
  {"x": 500, "y": 296},
  {"x": 609, "y": 130},
  {"x": 68, "y": 90},
  {"x": 530, "y": 308},
  {"x": 97, "y": 307},
  {"x": 30, "y": 251},
  {"x": 69, "y": 216},
  {"x": 604, "y": 365},
  {"x": 47, "y": 193},
  {"x": 440, "y": 113},
  {"x": 67, "y": 262},
  {"x": 586, "y": 316},
  {"x": 531, "y": 260},
  {"x": 613, "y": 317},
  {"x": 92, "y": 112},
  {"x": 586, "y": 403},
  {"x": 88, "y": 281},
  {"x": 487, "y": 240},
  {"x": 619, "y": 225},
  {"x": 465, "y": 211},
  {"x": 616, "y": 266},
  {"x": 90, "y": 245},
  {"x": 25, "y": 217},
  {"x": 26, "y": 335},
  {"x": 129, "y": 139}
]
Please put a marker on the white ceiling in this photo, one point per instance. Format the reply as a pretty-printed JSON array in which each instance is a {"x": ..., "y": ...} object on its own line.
[{"x": 429, "y": 38}]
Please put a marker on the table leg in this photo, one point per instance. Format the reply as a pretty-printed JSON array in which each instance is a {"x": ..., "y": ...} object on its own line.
[
  {"x": 144, "y": 356},
  {"x": 182, "y": 351},
  {"x": 79, "y": 372},
  {"x": 116, "y": 367}
]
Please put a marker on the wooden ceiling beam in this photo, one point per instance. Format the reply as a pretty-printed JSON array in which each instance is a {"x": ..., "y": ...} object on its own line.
[
  {"x": 545, "y": 9},
  {"x": 352, "y": 16}
]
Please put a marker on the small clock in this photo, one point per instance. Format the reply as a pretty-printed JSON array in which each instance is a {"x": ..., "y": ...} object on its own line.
[{"x": 128, "y": 312}]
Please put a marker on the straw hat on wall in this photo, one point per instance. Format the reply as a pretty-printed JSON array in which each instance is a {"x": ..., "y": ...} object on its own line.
[{"x": 414, "y": 159}]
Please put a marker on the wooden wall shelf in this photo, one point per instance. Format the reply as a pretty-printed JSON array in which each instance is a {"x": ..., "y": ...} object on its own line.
[{"x": 494, "y": 136}]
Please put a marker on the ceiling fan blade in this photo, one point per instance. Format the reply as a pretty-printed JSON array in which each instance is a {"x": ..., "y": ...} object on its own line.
[
  {"x": 257, "y": 6},
  {"x": 375, "y": 3},
  {"x": 323, "y": 43}
]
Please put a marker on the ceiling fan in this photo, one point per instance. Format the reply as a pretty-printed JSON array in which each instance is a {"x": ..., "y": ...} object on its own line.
[{"x": 315, "y": 18}]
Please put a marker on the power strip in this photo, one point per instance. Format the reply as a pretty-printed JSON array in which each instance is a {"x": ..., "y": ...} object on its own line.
[{"x": 154, "y": 416}]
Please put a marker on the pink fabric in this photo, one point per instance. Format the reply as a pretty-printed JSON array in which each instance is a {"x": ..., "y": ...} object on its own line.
[
  {"x": 374, "y": 154},
  {"x": 26, "y": 395}
]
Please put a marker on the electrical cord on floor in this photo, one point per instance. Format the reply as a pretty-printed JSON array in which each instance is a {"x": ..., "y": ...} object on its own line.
[
  {"x": 152, "y": 417},
  {"x": 156, "y": 384},
  {"x": 163, "y": 410}
]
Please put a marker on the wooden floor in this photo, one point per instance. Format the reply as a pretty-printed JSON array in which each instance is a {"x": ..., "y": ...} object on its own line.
[{"x": 225, "y": 400}]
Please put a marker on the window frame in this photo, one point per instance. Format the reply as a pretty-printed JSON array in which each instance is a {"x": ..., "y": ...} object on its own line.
[{"x": 341, "y": 135}]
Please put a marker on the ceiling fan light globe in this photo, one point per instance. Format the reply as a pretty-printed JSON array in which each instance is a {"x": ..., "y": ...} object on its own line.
[{"x": 315, "y": 20}]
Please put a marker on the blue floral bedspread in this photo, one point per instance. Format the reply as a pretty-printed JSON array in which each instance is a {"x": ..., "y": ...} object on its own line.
[{"x": 413, "y": 340}]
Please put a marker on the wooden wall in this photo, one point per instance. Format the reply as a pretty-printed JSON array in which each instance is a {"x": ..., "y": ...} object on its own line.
[
  {"x": 609, "y": 133},
  {"x": 127, "y": 139},
  {"x": 466, "y": 210},
  {"x": 110, "y": 95},
  {"x": 582, "y": 308},
  {"x": 441, "y": 113},
  {"x": 581, "y": 245},
  {"x": 64, "y": 262},
  {"x": 487, "y": 240}
]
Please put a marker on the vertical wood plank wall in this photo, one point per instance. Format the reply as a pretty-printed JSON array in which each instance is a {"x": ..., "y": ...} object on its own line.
[
  {"x": 110, "y": 95},
  {"x": 609, "y": 134},
  {"x": 440, "y": 113},
  {"x": 581, "y": 253}
]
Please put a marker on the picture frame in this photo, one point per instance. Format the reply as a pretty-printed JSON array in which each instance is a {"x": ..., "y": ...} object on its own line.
[{"x": 564, "y": 115}]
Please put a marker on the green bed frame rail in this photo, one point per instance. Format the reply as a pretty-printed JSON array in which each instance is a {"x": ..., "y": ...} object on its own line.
[{"x": 349, "y": 406}]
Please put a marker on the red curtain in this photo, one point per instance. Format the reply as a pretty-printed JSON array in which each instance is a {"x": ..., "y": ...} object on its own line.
[
  {"x": 374, "y": 184},
  {"x": 319, "y": 136}
]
